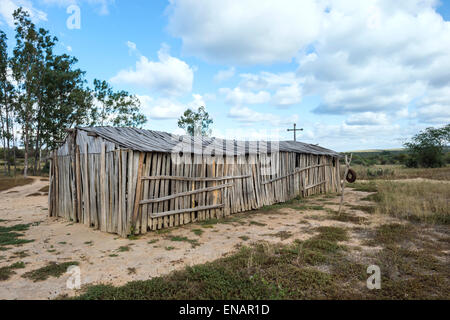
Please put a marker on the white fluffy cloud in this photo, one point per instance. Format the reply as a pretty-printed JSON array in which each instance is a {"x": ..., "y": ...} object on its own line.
[
  {"x": 390, "y": 58},
  {"x": 281, "y": 89},
  {"x": 168, "y": 108},
  {"x": 223, "y": 75},
  {"x": 168, "y": 76},
  {"x": 238, "y": 97},
  {"x": 247, "y": 116},
  {"x": 246, "y": 31},
  {"x": 367, "y": 119},
  {"x": 379, "y": 56},
  {"x": 7, "y": 8}
]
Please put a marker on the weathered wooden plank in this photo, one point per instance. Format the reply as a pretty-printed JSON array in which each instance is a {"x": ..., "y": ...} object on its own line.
[
  {"x": 166, "y": 190},
  {"x": 144, "y": 210},
  {"x": 78, "y": 183},
  {"x": 194, "y": 178},
  {"x": 297, "y": 170},
  {"x": 103, "y": 188},
  {"x": 186, "y": 193},
  {"x": 187, "y": 210},
  {"x": 138, "y": 192},
  {"x": 87, "y": 210}
]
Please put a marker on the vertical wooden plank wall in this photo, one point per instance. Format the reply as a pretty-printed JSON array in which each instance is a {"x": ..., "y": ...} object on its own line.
[{"x": 103, "y": 190}]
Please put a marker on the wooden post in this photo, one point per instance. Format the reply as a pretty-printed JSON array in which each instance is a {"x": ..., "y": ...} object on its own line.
[
  {"x": 103, "y": 188},
  {"x": 138, "y": 190},
  {"x": 78, "y": 183},
  {"x": 347, "y": 166},
  {"x": 87, "y": 210}
]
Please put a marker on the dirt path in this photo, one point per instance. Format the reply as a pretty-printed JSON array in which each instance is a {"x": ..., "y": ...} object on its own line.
[{"x": 106, "y": 258}]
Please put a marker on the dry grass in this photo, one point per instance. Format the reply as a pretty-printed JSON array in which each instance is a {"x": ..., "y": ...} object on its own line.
[
  {"x": 9, "y": 182},
  {"x": 424, "y": 201},
  {"x": 391, "y": 172}
]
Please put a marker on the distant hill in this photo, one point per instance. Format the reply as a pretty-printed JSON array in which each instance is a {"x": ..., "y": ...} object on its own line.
[{"x": 376, "y": 150}]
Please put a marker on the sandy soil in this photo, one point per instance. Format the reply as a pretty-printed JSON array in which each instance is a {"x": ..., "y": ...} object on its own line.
[{"x": 151, "y": 255}]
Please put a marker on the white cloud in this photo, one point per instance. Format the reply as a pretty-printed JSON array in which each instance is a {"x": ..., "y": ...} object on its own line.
[
  {"x": 368, "y": 119},
  {"x": 131, "y": 45},
  {"x": 287, "y": 96},
  {"x": 247, "y": 116},
  {"x": 168, "y": 76},
  {"x": 7, "y": 8},
  {"x": 238, "y": 97},
  {"x": 377, "y": 56},
  {"x": 223, "y": 75},
  {"x": 279, "y": 89},
  {"x": 168, "y": 108},
  {"x": 246, "y": 31}
]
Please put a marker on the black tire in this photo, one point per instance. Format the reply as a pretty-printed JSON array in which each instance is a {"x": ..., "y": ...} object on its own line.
[{"x": 351, "y": 176}]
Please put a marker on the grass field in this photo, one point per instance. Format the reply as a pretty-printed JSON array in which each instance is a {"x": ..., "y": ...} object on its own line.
[
  {"x": 391, "y": 172},
  {"x": 11, "y": 182},
  {"x": 414, "y": 265},
  {"x": 311, "y": 253},
  {"x": 318, "y": 268}
]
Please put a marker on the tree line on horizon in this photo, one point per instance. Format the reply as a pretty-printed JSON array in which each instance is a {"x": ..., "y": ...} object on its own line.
[{"x": 43, "y": 93}]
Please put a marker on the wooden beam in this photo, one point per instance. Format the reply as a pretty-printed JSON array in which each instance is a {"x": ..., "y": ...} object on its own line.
[
  {"x": 186, "y": 193},
  {"x": 137, "y": 197},
  {"x": 297, "y": 170},
  {"x": 92, "y": 134},
  {"x": 194, "y": 178},
  {"x": 314, "y": 185},
  {"x": 201, "y": 208}
]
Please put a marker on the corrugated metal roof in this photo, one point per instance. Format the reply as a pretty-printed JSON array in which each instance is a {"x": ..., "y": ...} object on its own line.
[{"x": 157, "y": 141}]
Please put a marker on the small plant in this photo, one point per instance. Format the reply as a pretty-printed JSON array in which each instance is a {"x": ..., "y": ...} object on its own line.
[
  {"x": 256, "y": 223},
  {"x": 11, "y": 236},
  {"x": 7, "y": 272},
  {"x": 53, "y": 269},
  {"x": 283, "y": 235},
  {"x": 131, "y": 271},
  {"x": 245, "y": 238},
  {"x": 197, "y": 232},
  {"x": 124, "y": 248},
  {"x": 169, "y": 248},
  {"x": 194, "y": 243},
  {"x": 153, "y": 241}
]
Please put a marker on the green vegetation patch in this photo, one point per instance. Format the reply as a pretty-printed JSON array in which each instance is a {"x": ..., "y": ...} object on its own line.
[
  {"x": 194, "y": 243},
  {"x": 7, "y": 272},
  {"x": 12, "y": 236},
  {"x": 283, "y": 235},
  {"x": 365, "y": 187},
  {"x": 197, "y": 232},
  {"x": 53, "y": 269}
]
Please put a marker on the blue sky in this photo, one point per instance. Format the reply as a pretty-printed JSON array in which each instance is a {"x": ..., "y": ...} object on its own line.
[{"x": 355, "y": 75}]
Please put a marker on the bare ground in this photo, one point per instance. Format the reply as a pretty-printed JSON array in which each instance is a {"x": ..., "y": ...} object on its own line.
[{"x": 102, "y": 261}]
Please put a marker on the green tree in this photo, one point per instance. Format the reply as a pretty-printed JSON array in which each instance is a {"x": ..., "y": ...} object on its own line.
[
  {"x": 26, "y": 73},
  {"x": 7, "y": 96},
  {"x": 67, "y": 103},
  {"x": 196, "y": 123},
  {"x": 426, "y": 149},
  {"x": 118, "y": 109}
]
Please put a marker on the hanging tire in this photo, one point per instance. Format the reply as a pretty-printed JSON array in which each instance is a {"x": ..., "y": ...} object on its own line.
[{"x": 351, "y": 176}]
